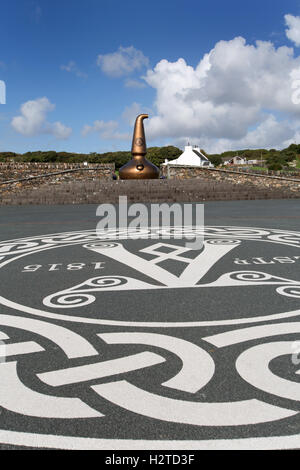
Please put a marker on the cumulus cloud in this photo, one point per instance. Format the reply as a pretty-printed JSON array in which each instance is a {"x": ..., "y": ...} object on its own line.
[
  {"x": 71, "y": 67},
  {"x": 230, "y": 99},
  {"x": 107, "y": 130},
  {"x": 270, "y": 133},
  {"x": 33, "y": 116},
  {"x": 124, "y": 61},
  {"x": 59, "y": 130},
  {"x": 293, "y": 31},
  {"x": 33, "y": 120}
]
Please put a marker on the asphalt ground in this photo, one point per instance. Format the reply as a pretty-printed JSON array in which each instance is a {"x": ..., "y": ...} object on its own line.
[{"x": 121, "y": 343}]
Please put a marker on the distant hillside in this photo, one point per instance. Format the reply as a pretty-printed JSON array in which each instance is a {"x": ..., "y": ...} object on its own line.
[
  {"x": 274, "y": 159},
  {"x": 157, "y": 155}
]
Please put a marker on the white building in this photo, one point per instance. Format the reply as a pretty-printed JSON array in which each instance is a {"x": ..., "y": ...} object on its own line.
[
  {"x": 192, "y": 156},
  {"x": 237, "y": 160}
]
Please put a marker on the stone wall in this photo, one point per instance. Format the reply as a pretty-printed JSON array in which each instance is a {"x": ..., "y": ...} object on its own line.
[
  {"x": 15, "y": 171},
  {"x": 294, "y": 173},
  {"x": 238, "y": 178},
  {"x": 186, "y": 184}
]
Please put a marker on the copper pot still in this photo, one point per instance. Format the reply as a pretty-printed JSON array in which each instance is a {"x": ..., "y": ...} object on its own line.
[{"x": 139, "y": 167}]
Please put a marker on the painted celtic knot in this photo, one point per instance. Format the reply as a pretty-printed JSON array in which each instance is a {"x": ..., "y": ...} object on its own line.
[{"x": 197, "y": 370}]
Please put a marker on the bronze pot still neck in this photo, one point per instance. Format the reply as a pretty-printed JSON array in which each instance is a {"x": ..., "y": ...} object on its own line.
[
  {"x": 139, "y": 167},
  {"x": 138, "y": 146}
]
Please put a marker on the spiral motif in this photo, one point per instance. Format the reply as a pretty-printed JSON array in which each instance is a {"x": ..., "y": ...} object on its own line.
[
  {"x": 223, "y": 242},
  {"x": 100, "y": 245},
  {"x": 106, "y": 281},
  {"x": 70, "y": 300},
  {"x": 80, "y": 295},
  {"x": 250, "y": 276},
  {"x": 289, "y": 291}
]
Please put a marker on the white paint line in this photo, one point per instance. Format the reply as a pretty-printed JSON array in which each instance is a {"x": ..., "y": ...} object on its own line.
[
  {"x": 16, "y": 397},
  {"x": 83, "y": 443},
  {"x": 197, "y": 365},
  {"x": 139, "y": 264},
  {"x": 100, "y": 369},
  {"x": 247, "y": 334},
  {"x": 237, "y": 413},
  {"x": 99, "y": 321},
  {"x": 3, "y": 336},
  {"x": 26, "y": 347},
  {"x": 211, "y": 254},
  {"x": 71, "y": 343},
  {"x": 253, "y": 367}
]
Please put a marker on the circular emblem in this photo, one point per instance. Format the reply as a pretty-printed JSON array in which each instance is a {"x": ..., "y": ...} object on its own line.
[
  {"x": 137, "y": 331},
  {"x": 139, "y": 141}
]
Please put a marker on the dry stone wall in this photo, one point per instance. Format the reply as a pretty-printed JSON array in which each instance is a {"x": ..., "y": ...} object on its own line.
[
  {"x": 186, "y": 184},
  {"x": 15, "y": 171},
  {"x": 236, "y": 178}
]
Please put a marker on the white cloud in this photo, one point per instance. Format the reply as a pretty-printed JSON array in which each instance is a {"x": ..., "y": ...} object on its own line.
[
  {"x": 293, "y": 31},
  {"x": 270, "y": 133},
  {"x": 106, "y": 130},
  {"x": 33, "y": 116},
  {"x": 230, "y": 99},
  {"x": 59, "y": 130},
  {"x": 124, "y": 61},
  {"x": 32, "y": 120},
  {"x": 72, "y": 68}
]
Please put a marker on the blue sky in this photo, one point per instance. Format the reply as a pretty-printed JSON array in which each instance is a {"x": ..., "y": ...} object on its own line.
[{"x": 83, "y": 69}]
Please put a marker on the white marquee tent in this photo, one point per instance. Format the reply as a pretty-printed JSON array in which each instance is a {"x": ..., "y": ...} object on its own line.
[{"x": 192, "y": 156}]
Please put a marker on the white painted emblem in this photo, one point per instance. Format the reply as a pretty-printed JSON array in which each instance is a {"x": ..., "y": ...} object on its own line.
[{"x": 93, "y": 358}]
